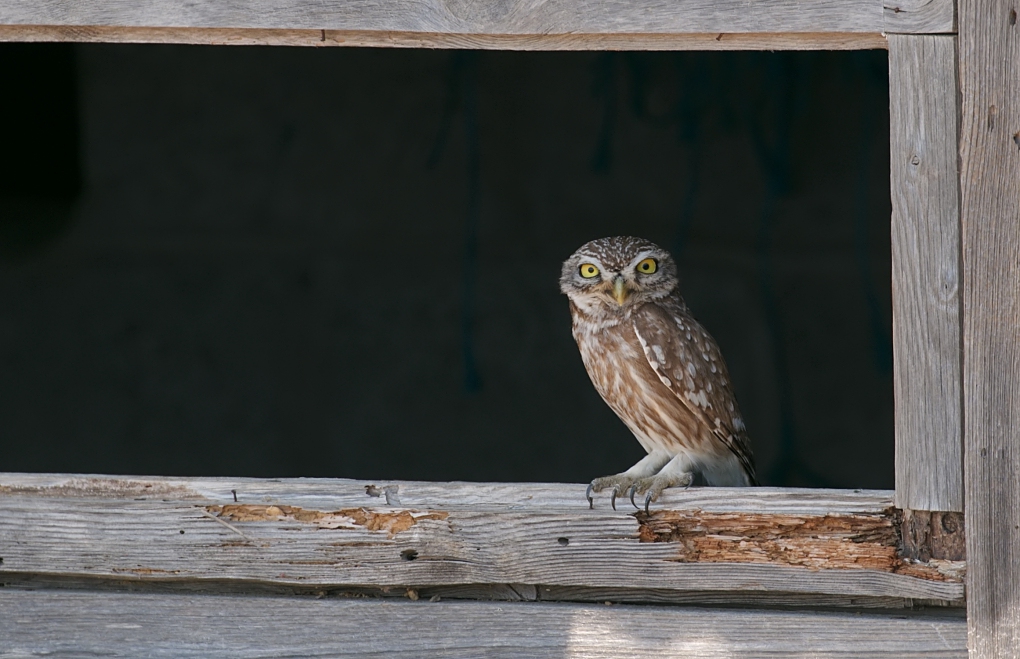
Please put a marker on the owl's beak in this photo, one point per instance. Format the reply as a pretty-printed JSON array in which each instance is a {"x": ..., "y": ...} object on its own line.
[{"x": 619, "y": 290}]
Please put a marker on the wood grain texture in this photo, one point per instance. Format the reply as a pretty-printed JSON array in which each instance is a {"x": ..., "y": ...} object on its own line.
[
  {"x": 925, "y": 272},
  {"x": 382, "y": 39},
  {"x": 990, "y": 220},
  {"x": 491, "y": 17},
  {"x": 331, "y": 534},
  {"x": 920, "y": 16},
  {"x": 54, "y": 623}
]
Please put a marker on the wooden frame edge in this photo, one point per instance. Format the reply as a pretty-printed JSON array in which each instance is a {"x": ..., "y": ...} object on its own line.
[{"x": 382, "y": 39}]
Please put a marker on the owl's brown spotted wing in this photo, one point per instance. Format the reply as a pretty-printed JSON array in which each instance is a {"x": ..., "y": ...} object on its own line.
[{"x": 687, "y": 360}]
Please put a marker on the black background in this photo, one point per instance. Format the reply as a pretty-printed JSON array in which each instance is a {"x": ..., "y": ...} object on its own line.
[{"x": 344, "y": 262}]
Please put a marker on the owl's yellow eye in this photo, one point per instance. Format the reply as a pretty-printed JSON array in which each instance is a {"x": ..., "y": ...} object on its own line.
[
  {"x": 648, "y": 266},
  {"x": 588, "y": 270}
]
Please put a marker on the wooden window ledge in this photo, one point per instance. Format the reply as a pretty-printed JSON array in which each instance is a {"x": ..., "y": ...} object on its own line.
[
  {"x": 477, "y": 540},
  {"x": 127, "y": 567}
]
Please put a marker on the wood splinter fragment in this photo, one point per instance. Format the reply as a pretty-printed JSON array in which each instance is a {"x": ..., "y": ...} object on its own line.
[{"x": 226, "y": 524}]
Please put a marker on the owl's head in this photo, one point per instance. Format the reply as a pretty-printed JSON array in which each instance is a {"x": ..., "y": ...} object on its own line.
[{"x": 612, "y": 274}]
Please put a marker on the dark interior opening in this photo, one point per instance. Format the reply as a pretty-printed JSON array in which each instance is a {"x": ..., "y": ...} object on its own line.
[{"x": 344, "y": 262}]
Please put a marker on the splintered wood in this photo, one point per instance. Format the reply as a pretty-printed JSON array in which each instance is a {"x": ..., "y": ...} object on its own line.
[
  {"x": 829, "y": 542},
  {"x": 350, "y": 518}
]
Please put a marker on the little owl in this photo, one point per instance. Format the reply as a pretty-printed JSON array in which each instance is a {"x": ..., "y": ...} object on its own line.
[{"x": 656, "y": 367}]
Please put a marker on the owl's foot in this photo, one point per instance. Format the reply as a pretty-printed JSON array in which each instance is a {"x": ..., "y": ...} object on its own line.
[
  {"x": 653, "y": 486},
  {"x": 619, "y": 484},
  {"x": 651, "y": 464}
]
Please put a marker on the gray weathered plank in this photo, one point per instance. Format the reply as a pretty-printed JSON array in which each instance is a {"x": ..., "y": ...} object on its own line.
[
  {"x": 331, "y": 534},
  {"x": 990, "y": 216},
  {"x": 488, "y": 17},
  {"x": 382, "y": 39},
  {"x": 327, "y": 493},
  {"x": 67, "y": 623},
  {"x": 925, "y": 272},
  {"x": 920, "y": 16}
]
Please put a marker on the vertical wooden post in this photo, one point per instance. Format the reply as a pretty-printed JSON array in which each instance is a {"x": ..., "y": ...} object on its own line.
[
  {"x": 925, "y": 272},
  {"x": 989, "y": 42}
]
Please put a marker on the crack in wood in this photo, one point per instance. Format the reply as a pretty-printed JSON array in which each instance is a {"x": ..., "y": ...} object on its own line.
[{"x": 144, "y": 570}]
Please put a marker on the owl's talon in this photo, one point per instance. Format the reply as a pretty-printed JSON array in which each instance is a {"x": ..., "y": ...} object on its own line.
[
  {"x": 648, "y": 500},
  {"x": 587, "y": 495},
  {"x": 619, "y": 485}
]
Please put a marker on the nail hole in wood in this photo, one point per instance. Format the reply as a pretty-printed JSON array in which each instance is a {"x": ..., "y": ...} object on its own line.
[
  {"x": 563, "y": 541},
  {"x": 409, "y": 554}
]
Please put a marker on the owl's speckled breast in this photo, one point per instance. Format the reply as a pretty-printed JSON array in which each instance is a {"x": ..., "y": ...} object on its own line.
[{"x": 621, "y": 374}]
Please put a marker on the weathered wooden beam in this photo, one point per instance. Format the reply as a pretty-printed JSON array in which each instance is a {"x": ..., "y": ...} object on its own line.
[
  {"x": 63, "y": 623},
  {"x": 334, "y": 534},
  {"x": 925, "y": 272},
  {"x": 990, "y": 219},
  {"x": 513, "y": 24},
  {"x": 385, "y": 39},
  {"x": 920, "y": 16}
]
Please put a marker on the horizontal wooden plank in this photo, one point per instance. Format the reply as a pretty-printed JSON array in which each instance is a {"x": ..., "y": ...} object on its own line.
[
  {"x": 920, "y": 16},
  {"x": 497, "y": 17},
  {"x": 335, "y": 534},
  {"x": 68, "y": 623},
  {"x": 344, "y": 493},
  {"x": 384, "y": 39}
]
